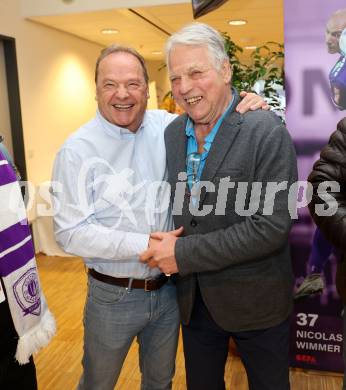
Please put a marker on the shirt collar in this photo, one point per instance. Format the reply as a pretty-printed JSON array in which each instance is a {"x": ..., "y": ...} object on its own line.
[
  {"x": 117, "y": 131},
  {"x": 189, "y": 130}
]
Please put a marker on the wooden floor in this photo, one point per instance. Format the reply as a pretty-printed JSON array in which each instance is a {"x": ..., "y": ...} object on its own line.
[{"x": 58, "y": 365}]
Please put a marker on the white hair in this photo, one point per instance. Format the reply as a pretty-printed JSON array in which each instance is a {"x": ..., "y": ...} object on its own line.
[{"x": 199, "y": 34}]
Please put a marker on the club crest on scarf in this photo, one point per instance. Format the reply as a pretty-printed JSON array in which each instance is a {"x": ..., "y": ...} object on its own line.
[{"x": 27, "y": 292}]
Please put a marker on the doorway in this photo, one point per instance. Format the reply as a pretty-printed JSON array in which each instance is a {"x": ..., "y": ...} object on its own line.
[{"x": 10, "y": 110}]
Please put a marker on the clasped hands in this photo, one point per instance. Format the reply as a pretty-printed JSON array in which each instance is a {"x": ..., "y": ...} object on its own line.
[{"x": 161, "y": 251}]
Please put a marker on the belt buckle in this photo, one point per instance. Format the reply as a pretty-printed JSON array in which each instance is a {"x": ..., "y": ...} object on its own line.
[{"x": 146, "y": 281}]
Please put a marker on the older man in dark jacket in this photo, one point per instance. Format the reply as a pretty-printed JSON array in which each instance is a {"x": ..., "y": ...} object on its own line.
[
  {"x": 234, "y": 264},
  {"x": 328, "y": 206}
]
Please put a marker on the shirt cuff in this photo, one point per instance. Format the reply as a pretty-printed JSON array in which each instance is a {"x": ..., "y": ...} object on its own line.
[{"x": 139, "y": 242}]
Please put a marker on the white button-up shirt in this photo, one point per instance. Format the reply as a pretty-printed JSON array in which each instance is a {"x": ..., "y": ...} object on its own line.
[{"x": 110, "y": 192}]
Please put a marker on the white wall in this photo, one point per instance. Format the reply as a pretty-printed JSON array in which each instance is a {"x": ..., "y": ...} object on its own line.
[
  {"x": 56, "y": 73},
  {"x": 160, "y": 76}
]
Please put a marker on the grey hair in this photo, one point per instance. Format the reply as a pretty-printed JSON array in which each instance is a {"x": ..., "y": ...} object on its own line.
[
  {"x": 341, "y": 12},
  {"x": 121, "y": 49},
  {"x": 199, "y": 34}
]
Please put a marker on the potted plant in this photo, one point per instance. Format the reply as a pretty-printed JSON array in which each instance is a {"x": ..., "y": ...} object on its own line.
[{"x": 265, "y": 73}]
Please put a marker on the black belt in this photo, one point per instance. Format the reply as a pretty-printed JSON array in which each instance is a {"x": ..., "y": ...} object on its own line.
[{"x": 146, "y": 284}]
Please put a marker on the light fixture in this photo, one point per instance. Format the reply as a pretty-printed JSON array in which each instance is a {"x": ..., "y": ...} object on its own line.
[
  {"x": 156, "y": 52},
  {"x": 237, "y": 22},
  {"x": 250, "y": 47},
  {"x": 109, "y": 31}
]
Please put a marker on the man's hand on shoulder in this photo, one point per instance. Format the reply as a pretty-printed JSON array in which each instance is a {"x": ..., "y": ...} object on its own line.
[{"x": 251, "y": 101}]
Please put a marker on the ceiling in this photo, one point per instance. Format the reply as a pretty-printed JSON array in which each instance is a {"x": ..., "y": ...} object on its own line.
[{"x": 147, "y": 28}]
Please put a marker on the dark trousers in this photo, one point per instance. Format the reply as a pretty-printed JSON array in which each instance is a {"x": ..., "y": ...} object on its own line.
[
  {"x": 13, "y": 376},
  {"x": 264, "y": 353}
]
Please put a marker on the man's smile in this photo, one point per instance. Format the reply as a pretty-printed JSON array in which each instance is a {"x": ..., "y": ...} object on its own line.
[
  {"x": 193, "y": 100},
  {"x": 122, "y": 107}
]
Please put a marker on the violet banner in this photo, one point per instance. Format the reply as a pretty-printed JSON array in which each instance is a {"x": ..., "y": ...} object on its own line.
[{"x": 311, "y": 117}]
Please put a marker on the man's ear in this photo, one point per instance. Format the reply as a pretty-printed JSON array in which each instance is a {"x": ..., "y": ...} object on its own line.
[{"x": 226, "y": 71}]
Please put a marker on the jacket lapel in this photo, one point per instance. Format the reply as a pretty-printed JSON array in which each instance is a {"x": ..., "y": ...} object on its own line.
[
  {"x": 223, "y": 141},
  {"x": 177, "y": 150}
]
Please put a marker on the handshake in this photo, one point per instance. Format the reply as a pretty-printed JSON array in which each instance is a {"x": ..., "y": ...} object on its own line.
[{"x": 161, "y": 251}]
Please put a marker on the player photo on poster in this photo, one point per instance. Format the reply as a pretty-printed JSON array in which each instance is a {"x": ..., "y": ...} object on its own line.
[
  {"x": 316, "y": 99},
  {"x": 336, "y": 44}
]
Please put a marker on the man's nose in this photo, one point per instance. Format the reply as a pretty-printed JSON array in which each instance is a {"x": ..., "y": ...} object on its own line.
[
  {"x": 185, "y": 84},
  {"x": 122, "y": 92}
]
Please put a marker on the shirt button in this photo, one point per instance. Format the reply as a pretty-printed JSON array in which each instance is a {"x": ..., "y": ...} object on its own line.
[{"x": 193, "y": 223}]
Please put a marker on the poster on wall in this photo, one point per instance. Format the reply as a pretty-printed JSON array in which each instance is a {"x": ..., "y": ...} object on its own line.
[{"x": 316, "y": 100}]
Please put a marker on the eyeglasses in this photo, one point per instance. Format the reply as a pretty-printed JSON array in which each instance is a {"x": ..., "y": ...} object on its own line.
[{"x": 193, "y": 163}]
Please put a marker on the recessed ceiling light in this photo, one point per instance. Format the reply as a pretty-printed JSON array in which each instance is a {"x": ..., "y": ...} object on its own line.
[
  {"x": 109, "y": 31},
  {"x": 156, "y": 52},
  {"x": 250, "y": 47},
  {"x": 237, "y": 22}
]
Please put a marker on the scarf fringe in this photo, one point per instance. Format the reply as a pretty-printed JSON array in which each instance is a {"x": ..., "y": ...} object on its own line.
[{"x": 36, "y": 338}]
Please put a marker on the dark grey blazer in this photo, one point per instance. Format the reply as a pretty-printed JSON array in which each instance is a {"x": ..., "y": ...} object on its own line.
[{"x": 242, "y": 262}]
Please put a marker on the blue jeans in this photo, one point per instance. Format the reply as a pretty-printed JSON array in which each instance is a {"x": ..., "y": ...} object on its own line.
[{"x": 113, "y": 317}]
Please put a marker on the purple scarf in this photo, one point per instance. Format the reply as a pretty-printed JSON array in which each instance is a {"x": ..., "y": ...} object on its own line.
[{"x": 33, "y": 321}]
